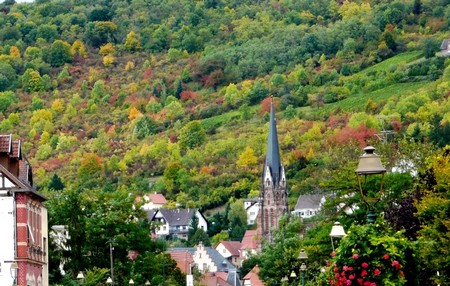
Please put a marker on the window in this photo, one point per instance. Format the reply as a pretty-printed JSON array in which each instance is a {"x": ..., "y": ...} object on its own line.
[
  {"x": 252, "y": 213},
  {"x": 224, "y": 250}
]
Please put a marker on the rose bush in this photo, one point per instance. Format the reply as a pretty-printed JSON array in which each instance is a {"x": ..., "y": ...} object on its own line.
[{"x": 370, "y": 255}]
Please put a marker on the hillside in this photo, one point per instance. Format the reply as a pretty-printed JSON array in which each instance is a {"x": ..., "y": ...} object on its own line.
[{"x": 112, "y": 98}]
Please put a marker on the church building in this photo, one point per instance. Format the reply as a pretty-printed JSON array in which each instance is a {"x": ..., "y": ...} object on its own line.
[{"x": 273, "y": 195}]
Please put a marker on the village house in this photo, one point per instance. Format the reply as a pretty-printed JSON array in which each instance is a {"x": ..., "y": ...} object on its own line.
[
  {"x": 308, "y": 205},
  {"x": 175, "y": 223},
  {"x": 230, "y": 250},
  {"x": 23, "y": 220}
]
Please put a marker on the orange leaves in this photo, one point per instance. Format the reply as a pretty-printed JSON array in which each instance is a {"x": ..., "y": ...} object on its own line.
[{"x": 134, "y": 112}]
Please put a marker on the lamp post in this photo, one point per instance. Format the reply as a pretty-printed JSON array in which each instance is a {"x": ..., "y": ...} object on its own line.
[
  {"x": 370, "y": 165},
  {"x": 13, "y": 269},
  {"x": 131, "y": 282},
  {"x": 111, "y": 248},
  {"x": 337, "y": 231},
  {"x": 147, "y": 283},
  {"x": 80, "y": 277},
  {"x": 109, "y": 281},
  {"x": 302, "y": 256}
]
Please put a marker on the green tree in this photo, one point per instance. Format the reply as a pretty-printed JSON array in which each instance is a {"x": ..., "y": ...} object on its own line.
[
  {"x": 192, "y": 135},
  {"x": 32, "y": 81},
  {"x": 56, "y": 183},
  {"x": 100, "y": 33},
  {"x": 58, "y": 54},
  {"x": 7, "y": 98},
  {"x": 8, "y": 76},
  {"x": 145, "y": 126}
]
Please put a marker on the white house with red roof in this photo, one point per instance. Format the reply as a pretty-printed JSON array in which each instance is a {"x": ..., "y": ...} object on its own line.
[
  {"x": 230, "y": 250},
  {"x": 153, "y": 201}
]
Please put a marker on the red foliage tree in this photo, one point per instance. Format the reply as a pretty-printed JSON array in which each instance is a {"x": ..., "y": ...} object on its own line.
[
  {"x": 361, "y": 135},
  {"x": 265, "y": 105}
]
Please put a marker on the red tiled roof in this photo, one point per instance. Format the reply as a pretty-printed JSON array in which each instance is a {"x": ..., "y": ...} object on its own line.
[
  {"x": 16, "y": 149},
  {"x": 232, "y": 246},
  {"x": 5, "y": 143},
  {"x": 214, "y": 279},
  {"x": 250, "y": 240},
  {"x": 183, "y": 259},
  {"x": 253, "y": 276},
  {"x": 157, "y": 198}
]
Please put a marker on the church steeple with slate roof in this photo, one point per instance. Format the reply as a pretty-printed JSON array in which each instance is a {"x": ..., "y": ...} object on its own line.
[{"x": 273, "y": 195}]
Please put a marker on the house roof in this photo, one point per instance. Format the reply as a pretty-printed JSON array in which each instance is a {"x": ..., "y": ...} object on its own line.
[
  {"x": 253, "y": 276},
  {"x": 214, "y": 279},
  {"x": 177, "y": 217},
  {"x": 222, "y": 264},
  {"x": 150, "y": 214},
  {"x": 157, "y": 198},
  {"x": 273, "y": 150},
  {"x": 232, "y": 246},
  {"x": 250, "y": 240},
  {"x": 6, "y": 143},
  {"x": 310, "y": 201},
  {"x": 183, "y": 257}
]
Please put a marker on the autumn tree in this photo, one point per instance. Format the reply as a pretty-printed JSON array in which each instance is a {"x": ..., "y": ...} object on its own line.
[
  {"x": 90, "y": 171},
  {"x": 247, "y": 158},
  {"x": 132, "y": 42}
]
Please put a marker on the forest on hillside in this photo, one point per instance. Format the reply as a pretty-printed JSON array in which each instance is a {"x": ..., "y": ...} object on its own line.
[{"x": 113, "y": 97}]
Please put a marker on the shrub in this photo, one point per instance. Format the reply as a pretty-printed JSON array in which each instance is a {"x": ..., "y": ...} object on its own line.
[{"x": 370, "y": 254}]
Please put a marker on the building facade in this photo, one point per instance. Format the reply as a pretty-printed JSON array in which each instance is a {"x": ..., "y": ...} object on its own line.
[
  {"x": 24, "y": 240},
  {"x": 273, "y": 195}
]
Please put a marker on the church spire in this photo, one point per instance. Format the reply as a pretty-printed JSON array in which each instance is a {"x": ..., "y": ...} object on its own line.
[{"x": 273, "y": 163}]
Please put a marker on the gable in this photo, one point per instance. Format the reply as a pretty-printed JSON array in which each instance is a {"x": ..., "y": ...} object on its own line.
[{"x": 9, "y": 181}]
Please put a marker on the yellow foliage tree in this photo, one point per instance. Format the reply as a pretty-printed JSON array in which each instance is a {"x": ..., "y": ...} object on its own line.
[
  {"x": 78, "y": 47},
  {"x": 107, "y": 49},
  {"x": 58, "y": 105},
  {"x": 132, "y": 42},
  {"x": 247, "y": 158},
  {"x": 108, "y": 60},
  {"x": 14, "y": 51}
]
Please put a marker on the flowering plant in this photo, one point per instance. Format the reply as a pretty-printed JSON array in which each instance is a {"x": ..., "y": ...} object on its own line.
[{"x": 370, "y": 255}]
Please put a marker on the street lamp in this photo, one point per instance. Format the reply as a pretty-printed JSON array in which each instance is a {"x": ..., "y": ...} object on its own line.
[
  {"x": 80, "y": 276},
  {"x": 109, "y": 281},
  {"x": 111, "y": 248},
  {"x": 302, "y": 256},
  {"x": 13, "y": 269},
  {"x": 147, "y": 282},
  {"x": 337, "y": 231},
  {"x": 370, "y": 164},
  {"x": 131, "y": 282}
]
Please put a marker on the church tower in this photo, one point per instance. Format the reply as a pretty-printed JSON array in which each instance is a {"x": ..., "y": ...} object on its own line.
[{"x": 273, "y": 195}]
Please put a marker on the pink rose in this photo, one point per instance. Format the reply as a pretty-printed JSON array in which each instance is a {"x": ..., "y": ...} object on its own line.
[
  {"x": 355, "y": 256},
  {"x": 396, "y": 264},
  {"x": 345, "y": 267},
  {"x": 376, "y": 272},
  {"x": 351, "y": 277},
  {"x": 364, "y": 265},
  {"x": 386, "y": 256},
  {"x": 363, "y": 273}
]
